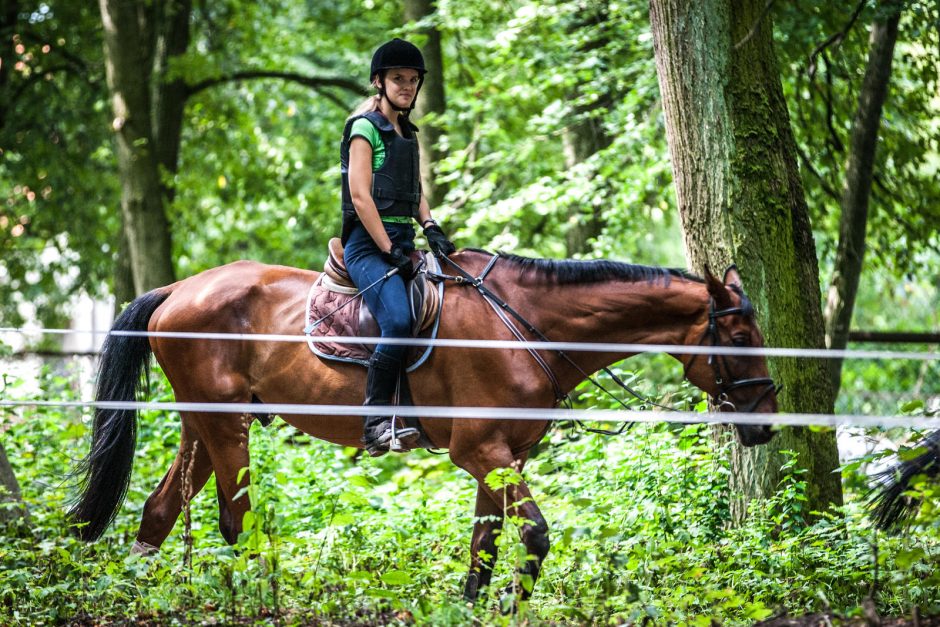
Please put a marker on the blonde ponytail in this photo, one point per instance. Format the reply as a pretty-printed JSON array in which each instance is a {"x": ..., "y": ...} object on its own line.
[{"x": 372, "y": 103}]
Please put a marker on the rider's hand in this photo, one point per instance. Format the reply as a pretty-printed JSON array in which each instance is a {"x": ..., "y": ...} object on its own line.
[
  {"x": 440, "y": 245},
  {"x": 398, "y": 259}
]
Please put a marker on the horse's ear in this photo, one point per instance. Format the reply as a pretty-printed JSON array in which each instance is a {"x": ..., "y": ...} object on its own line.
[
  {"x": 717, "y": 290},
  {"x": 732, "y": 277}
]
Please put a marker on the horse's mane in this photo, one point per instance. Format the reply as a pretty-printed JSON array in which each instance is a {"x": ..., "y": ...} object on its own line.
[{"x": 568, "y": 271}]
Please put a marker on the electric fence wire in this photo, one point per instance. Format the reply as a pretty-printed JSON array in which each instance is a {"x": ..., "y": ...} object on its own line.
[
  {"x": 507, "y": 413},
  {"x": 597, "y": 347}
]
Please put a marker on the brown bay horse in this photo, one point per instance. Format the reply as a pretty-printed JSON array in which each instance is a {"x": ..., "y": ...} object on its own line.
[{"x": 571, "y": 301}]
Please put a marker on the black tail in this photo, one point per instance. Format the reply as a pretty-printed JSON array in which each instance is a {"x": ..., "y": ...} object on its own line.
[
  {"x": 106, "y": 472},
  {"x": 890, "y": 505}
]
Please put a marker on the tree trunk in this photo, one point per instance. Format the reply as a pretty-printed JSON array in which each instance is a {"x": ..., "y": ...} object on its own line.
[
  {"x": 129, "y": 59},
  {"x": 858, "y": 179},
  {"x": 741, "y": 201},
  {"x": 169, "y": 96},
  {"x": 123, "y": 274},
  {"x": 9, "y": 492},
  {"x": 431, "y": 101}
]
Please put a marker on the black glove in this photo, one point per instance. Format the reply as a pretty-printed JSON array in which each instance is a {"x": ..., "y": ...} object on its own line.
[
  {"x": 440, "y": 245},
  {"x": 398, "y": 259}
]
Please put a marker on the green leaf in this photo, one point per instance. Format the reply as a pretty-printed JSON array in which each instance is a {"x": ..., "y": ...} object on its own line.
[
  {"x": 396, "y": 578},
  {"x": 241, "y": 474},
  {"x": 359, "y": 480}
]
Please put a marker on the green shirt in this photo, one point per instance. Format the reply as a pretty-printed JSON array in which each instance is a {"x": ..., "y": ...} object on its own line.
[{"x": 364, "y": 128}]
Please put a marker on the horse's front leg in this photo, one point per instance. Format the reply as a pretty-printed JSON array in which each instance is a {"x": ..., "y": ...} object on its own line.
[
  {"x": 488, "y": 521},
  {"x": 513, "y": 500},
  {"x": 534, "y": 533}
]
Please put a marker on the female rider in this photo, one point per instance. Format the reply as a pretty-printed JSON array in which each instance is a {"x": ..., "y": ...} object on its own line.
[{"x": 381, "y": 197}]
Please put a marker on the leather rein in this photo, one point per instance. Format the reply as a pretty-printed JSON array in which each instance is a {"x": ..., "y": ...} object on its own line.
[{"x": 507, "y": 314}]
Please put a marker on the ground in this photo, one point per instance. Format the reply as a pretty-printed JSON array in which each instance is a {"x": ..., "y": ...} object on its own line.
[{"x": 830, "y": 620}]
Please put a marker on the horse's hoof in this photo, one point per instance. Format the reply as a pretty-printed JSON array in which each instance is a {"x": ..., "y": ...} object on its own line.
[
  {"x": 143, "y": 549},
  {"x": 509, "y": 601}
]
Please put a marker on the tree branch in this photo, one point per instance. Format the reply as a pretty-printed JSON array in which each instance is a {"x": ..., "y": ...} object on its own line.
[
  {"x": 307, "y": 81},
  {"x": 78, "y": 62},
  {"x": 332, "y": 98},
  {"x": 828, "y": 189},
  {"x": 834, "y": 39}
]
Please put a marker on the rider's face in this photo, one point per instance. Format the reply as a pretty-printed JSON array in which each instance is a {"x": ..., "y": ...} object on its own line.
[{"x": 401, "y": 84}]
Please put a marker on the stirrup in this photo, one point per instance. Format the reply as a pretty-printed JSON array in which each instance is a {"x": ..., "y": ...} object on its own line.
[{"x": 391, "y": 439}]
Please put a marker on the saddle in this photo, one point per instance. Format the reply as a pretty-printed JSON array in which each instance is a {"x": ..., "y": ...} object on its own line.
[{"x": 333, "y": 309}]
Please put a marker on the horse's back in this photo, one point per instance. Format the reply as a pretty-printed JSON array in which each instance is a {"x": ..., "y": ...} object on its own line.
[{"x": 242, "y": 296}]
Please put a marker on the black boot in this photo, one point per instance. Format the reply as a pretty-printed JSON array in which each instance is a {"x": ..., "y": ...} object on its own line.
[{"x": 381, "y": 383}]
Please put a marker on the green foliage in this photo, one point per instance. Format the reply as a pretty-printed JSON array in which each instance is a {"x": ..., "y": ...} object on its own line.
[
  {"x": 822, "y": 93},
  {"x": 58, "y": 215},
  {"x": 640, "y": 523},
  {"x": 639, "y": 527},
  {"x": 526, "y": 75},
  {"x": 879, "y": 387}
]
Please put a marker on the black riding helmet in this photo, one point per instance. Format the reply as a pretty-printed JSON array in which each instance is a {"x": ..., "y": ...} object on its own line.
[{"x": 394, "y": 54}]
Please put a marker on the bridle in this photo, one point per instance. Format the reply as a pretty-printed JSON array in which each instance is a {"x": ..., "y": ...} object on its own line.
[{"x": 716, "y": 361}]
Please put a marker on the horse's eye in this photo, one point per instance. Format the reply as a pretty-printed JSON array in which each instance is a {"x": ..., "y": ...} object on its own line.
[{"x": 740, "y": 340}]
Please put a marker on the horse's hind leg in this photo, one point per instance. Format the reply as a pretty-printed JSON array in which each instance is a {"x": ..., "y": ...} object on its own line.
[
  {"x": 228, "y": 450},
  {"x": 192, "y": 468}
]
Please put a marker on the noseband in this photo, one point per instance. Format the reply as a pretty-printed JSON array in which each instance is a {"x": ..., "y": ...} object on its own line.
[{"x": 711, "y": 333}]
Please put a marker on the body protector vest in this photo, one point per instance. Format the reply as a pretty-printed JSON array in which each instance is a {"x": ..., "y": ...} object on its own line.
[{"x": 396, "y": 186}]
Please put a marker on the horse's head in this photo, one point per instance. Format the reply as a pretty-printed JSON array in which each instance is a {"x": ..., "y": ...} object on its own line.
[{"x": 739, "y": 383}]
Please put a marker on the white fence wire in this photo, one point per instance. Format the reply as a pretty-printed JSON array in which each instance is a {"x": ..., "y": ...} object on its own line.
[
  {"x": 509, "y": 413},
  {"x": 598, "y": 347}
]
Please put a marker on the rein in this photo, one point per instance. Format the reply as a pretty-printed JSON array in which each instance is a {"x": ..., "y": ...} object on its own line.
[{"x": 502, "y": 308}]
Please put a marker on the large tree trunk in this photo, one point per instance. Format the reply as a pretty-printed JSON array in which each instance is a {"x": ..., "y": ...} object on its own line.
[
  {"x": 123, "y": 275},
  {"x": 129, "y": 59},
  {"x": 858, "y": 179},
  {"x": 431, "y": 101},
  {"x": 9, "y": 492},
  {"x": 741, "y": 200}
]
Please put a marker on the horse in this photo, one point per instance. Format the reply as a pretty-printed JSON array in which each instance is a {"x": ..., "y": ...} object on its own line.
[
  {"x": 890, "y": 502},
  {"x": 567, "y": 300}
]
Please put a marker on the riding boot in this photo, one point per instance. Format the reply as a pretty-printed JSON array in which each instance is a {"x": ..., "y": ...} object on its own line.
[{"x": 381, "y": 383}]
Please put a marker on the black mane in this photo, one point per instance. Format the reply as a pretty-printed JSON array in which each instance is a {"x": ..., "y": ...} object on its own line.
[{"x": 568, "y": 271}]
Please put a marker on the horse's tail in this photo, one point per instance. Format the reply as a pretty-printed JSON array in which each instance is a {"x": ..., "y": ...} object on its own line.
[
  {"x": 890, "y": 506},
  {"x": 106, "y": 471}
]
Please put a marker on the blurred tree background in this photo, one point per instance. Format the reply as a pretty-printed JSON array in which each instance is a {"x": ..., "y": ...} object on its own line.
[{"x": 551, "y": 139}]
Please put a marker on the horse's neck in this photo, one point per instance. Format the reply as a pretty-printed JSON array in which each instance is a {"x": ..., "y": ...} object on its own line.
[
  {"x": 619, "y": 312},
  {"x": 623, "y": 312}
]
